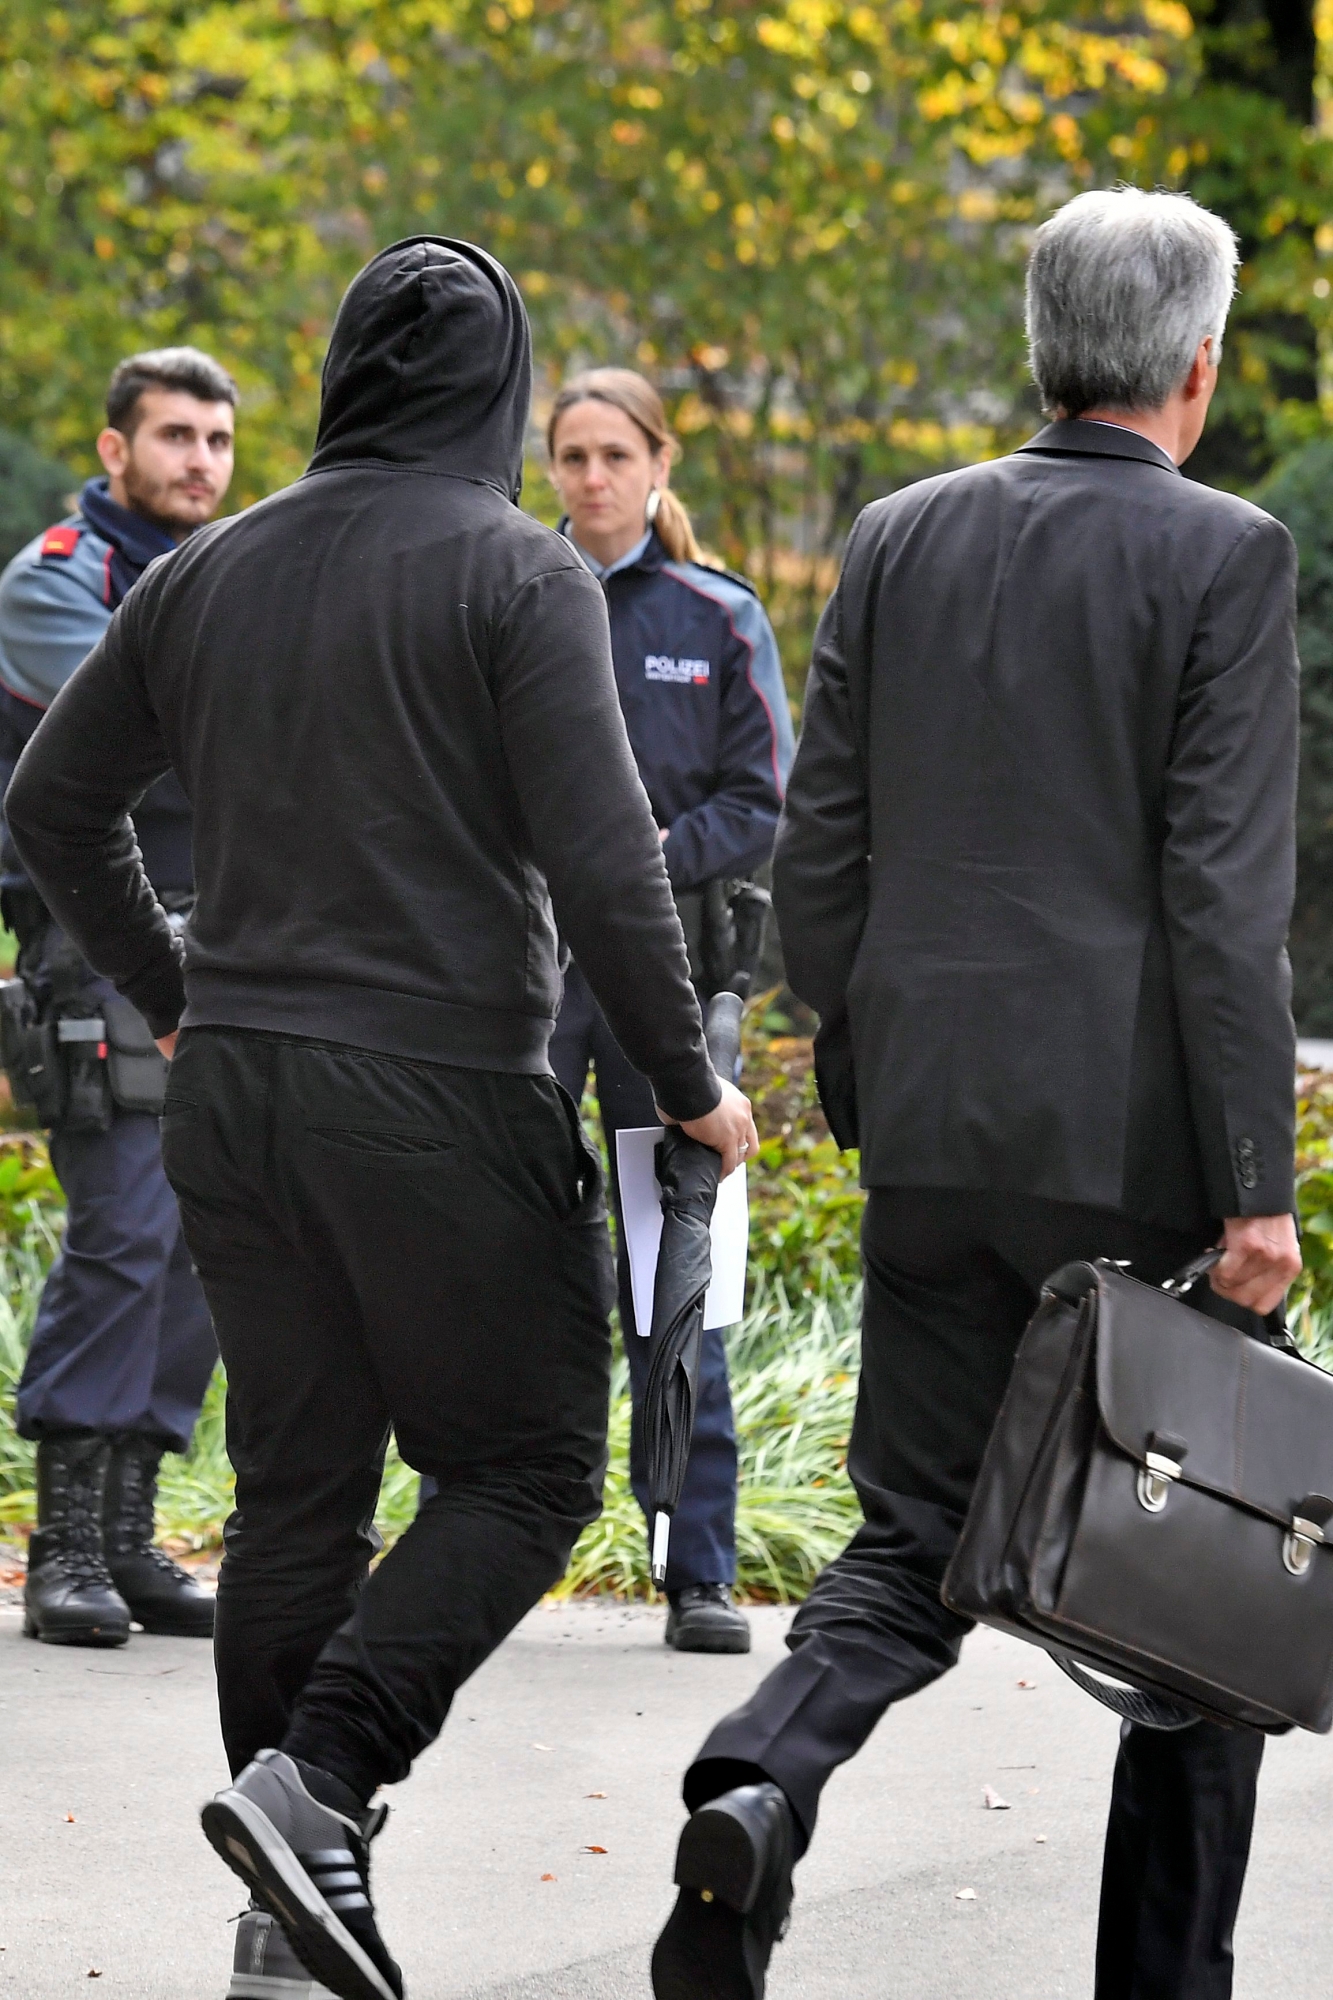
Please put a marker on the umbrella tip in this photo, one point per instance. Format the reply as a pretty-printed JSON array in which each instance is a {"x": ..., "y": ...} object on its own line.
[{"x": 661, "y": 1543}]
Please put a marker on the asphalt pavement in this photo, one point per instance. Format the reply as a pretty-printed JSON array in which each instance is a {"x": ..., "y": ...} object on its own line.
[{"x": 529, "y": 1855}]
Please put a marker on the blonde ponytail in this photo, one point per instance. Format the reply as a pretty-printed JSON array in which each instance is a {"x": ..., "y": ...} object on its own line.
[
  {"x": 674, "y": 532},
  {"x": 635, "y": 397}
]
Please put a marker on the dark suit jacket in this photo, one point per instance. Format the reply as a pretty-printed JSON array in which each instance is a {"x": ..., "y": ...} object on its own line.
[{"x": 1035, "y": 868}]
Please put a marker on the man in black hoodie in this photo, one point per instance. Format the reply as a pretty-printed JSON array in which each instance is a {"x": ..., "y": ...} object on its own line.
[{"x": 389, "y": 697}]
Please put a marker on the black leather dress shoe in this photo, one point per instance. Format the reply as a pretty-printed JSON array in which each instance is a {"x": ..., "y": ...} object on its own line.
[
  {"x": 733, "y": 1868},
  {"x": 701, "y": 1618}
]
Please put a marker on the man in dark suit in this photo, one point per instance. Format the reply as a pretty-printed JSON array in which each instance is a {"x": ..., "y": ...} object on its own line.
[{"x": 1035, "y": 873}]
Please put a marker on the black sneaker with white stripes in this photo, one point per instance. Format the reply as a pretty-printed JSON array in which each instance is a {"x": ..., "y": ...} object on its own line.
[{"x": 310, "y": 1866}]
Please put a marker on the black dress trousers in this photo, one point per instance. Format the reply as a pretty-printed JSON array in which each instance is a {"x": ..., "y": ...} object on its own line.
[
  {"x": 951, "y": 1279},
  {"x": 387, "y": 1243}
]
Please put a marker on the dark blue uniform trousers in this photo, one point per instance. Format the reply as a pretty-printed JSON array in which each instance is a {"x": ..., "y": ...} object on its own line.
[
  {"x": 123, "y": 1340},
  {"x": 703, "y": 1532}
]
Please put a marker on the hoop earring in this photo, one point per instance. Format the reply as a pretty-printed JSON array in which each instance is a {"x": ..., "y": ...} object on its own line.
[{"x": 653, "y": 503}]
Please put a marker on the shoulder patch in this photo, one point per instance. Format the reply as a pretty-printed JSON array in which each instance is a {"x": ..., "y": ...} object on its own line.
[{"x": 60, "y": 541}]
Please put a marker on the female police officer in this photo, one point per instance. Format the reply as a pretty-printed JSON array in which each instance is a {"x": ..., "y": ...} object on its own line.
[{"x": 701, "y": 689}]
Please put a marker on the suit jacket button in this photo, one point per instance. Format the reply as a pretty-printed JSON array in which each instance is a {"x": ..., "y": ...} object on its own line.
[{"x": 1248, "y": 1165}]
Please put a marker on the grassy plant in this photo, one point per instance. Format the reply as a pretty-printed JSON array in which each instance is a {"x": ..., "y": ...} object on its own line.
[
  {"x": 26, "y": 1250},
  {"x": 793, "y": 1372}
]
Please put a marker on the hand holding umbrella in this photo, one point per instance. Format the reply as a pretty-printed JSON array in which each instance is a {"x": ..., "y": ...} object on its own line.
[{"x": 688, "y": 1172}]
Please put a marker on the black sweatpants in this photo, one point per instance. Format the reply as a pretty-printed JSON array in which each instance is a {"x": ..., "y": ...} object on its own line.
[
  {"x": 951, "y": 1279},
  {"x": 387, "y": 1243}
]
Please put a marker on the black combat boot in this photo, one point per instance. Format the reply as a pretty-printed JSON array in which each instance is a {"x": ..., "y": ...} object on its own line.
[
  {"x": 70, "y": 1599},
  {"x": 162, "y": 1596}
]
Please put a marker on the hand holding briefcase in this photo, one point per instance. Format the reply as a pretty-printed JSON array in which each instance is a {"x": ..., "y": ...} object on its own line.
[{"x": 1155, "y": 1503}]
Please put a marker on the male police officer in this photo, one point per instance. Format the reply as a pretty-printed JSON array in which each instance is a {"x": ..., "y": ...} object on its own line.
[{"x": 123, "y": 1347}]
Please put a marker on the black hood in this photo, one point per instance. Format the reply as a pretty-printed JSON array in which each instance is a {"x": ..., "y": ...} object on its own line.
[{"x": 429, "y": 364}]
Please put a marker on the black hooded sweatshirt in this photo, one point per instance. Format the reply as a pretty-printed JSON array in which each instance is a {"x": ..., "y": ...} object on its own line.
[{"x": 390, "y": 699}]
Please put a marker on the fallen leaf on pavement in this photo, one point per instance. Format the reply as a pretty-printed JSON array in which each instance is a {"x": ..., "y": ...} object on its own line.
[
  {"x": 548, "y": 1878},
  {"x": 70, "y": 1820},
  {"x": 1027, "y": 1684},
  {"x": 994, "y": 1803},
  {"x": 594, "y": 1795},
  {"x": 1040, "y": 1839},
  {"x": 594, "y": 1850},
  {"x": 94, "y": 1972},
  {"x": 541, "y": 1746},
  {"x": 965, "y": 1895}
]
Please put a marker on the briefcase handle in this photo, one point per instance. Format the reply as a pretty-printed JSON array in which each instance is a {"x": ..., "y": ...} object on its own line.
[
  {"x": 1275, "y": 1323},
  {"x": 1131, "y": 1704},
  {"x": 1189, "y": 1274}
]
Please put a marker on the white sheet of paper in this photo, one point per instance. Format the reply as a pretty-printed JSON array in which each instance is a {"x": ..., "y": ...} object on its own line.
[{"x": 641, "y": 1208}]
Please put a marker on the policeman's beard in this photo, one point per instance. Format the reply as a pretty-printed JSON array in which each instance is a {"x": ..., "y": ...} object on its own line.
[{"x": 151, "y": 498}]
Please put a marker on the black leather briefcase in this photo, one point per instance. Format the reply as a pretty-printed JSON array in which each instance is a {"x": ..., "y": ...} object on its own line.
[{"x": 1154, "y": 1504}]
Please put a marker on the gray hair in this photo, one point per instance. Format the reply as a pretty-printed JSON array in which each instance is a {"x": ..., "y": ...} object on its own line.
[{"x": 1122, "y": 286}]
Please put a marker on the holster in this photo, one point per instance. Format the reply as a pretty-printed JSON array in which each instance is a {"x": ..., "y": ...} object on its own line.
[{"x": 71, "y": 1053}]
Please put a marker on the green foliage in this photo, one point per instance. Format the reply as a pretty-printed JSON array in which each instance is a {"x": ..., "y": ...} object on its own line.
[
  {"x": 29, "y": 1240},
  {"x": 1226, "y": 130},
  {"x": 808, "y": 219},
  {"x": 1310, "y": 1304},
  {"x": 34, "y": 492},
  {"x": 805, "y": 1196},
  {"x": 1301, "y": 494}
]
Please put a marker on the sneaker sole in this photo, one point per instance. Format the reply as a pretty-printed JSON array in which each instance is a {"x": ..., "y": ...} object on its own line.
[
  {"x": 247, "y": 1840},
  {"x": 263, "y": 1986}
]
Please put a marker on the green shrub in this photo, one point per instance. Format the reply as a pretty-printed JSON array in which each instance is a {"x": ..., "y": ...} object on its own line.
[{"x": 28, "y": 1243}]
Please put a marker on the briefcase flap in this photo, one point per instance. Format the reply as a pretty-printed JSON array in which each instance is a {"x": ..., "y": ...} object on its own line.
[{"x": 1236, "y": 1417}]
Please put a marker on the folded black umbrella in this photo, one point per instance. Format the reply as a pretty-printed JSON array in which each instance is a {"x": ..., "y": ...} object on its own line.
[{"x": 688, "y": 1174}]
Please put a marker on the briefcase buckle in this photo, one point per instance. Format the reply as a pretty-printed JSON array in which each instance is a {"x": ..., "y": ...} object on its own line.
[
  {"x": 1299, "y": 1544},
  {"x": 1156, "y": 1476}
]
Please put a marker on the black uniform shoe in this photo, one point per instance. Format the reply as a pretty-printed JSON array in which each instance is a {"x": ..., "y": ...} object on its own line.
[
  {"x": 161, "y": 1595},
  {"x": 310, "y": 1866},
  {"x": 265, "y": 1967},
  {"x": 70, "y": 1599},
  {"x": 734, "y": 1868},
  {"x": 702, "y": 1619}
]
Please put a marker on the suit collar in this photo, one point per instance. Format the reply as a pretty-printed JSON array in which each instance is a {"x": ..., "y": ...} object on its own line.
[{"x": 1077, "y": 438}]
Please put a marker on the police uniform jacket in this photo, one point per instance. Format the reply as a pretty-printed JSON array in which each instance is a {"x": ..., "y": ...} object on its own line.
[
  {"x": 56, "y": 600},
  {"x": 700, "y": 687}
]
